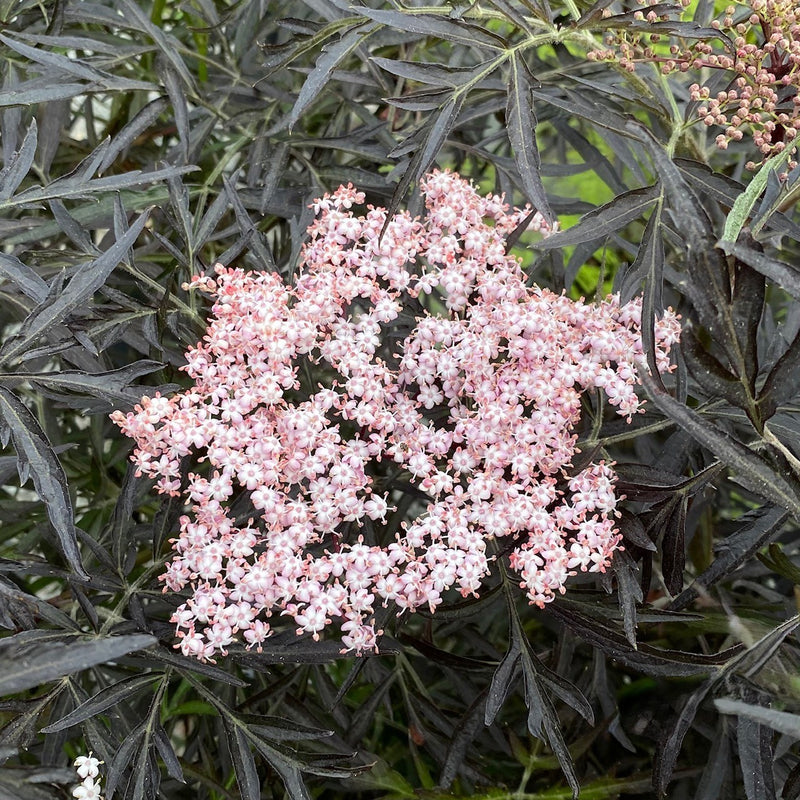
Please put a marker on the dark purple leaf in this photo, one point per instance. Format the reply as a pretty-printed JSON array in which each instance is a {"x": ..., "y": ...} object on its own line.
[
  {"x": 521, "y": 128},
  {"x": 428, "y": 73},
  {"x": 103, "y": 700},
  {"x": 759, "y": 527},
  {"x": 440, "y": 27},
  {"x": 784, "y": 275},
  {"x": 18, "y": 166},
  {"x": 21, "y": 275},
  {"x": 86, "y": 280},
  {"x": 629, "y": 592},
  {"x": 605, "y": 220},
  {"x": 434, "y": 135},
  {"x": 780, "y": 385},
  {"x": 712, "y": 376},
  {"x": 332, "y": 54},
  {"x": 37, "y": 665},
  {"x": 754, "y": 743},
  {"x": 669, "y": 750},
  {"x": 673, "y": 548},
  {"x": 35, "y": 457},
  {"x": 753, "y": 471},
  {"x": 244, "y": 764}
]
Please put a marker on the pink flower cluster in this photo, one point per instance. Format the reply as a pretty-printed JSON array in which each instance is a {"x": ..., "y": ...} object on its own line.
[{"x": 301, "y": 390}]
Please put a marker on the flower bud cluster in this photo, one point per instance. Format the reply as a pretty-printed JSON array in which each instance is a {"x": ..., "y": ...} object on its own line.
[
  {"x": 413, "y": 342},
  {"x": 759, "y": 45}
]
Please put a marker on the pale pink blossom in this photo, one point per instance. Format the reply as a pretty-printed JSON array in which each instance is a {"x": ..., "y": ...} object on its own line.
[{"x": 476, "y": 405}]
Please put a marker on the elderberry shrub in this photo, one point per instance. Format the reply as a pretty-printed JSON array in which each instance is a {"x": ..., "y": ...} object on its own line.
[{"x": 550, "y": 522}]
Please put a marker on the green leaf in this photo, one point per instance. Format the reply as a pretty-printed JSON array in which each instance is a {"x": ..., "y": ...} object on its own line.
[
  {"x": 745, "y": 202},
  {"x": 777, "y": 561},
  {"x": 35, "y": 457},
  {"x": 33, "y": 665}
]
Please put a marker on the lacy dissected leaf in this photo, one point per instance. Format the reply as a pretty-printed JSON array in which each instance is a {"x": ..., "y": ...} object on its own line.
[
  {"x": 745, "y": 202},
  {"x": 332, "y": 54},
  {"x": 36, "y": 459},
  {"x": 103, "y": 700},
  {"x": 784, "y": 275},
  {"x": 710, "y": 374},
  {"x": 521, "y": 127},
  {"x": 85, "y": 281},
  {"x": 22, "y": 276},
  {"x": 37, "y": 663},
  {"x": 455, "y": 31},
  {"x": 18, "y": 166},
  {"x": 113, "y": 387},
  {"x": 751, "y": 469},
  {"x": 756, "y": 756},
  {"x": 757, "y": 529},
  {"x": 780, "y": 385},
  {"x": 781, "y": 721},
  {"x": 746, "y": 664},
  {"x": 595, "y": 627},
  {"x": 427, "y": 73},
  {"x": 606, "y": 220}
]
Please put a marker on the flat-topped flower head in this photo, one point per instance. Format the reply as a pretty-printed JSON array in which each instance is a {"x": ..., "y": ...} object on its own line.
[{"x": 410, "y": 346}]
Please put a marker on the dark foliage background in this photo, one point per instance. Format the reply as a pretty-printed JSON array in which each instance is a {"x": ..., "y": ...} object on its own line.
[{"x": 142, "y": 142}]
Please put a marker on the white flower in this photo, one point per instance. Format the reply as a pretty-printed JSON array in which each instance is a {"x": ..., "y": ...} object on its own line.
[
  {"x": 87, "y": 766},
  {"x": 88, "y": 790}
]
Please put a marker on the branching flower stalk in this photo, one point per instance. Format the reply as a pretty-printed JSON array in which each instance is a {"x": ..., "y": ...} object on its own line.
[{"x": 475, "y": 398}]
